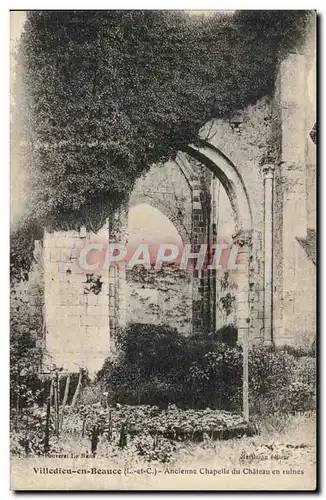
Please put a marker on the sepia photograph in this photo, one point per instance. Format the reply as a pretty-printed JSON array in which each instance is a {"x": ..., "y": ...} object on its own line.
[{"x": 163, "y": 250}]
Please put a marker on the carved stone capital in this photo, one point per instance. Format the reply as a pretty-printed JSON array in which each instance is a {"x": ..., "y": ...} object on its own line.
[
  {"x": 268, "y": 170},
  {"x": 242, "y": 238}
]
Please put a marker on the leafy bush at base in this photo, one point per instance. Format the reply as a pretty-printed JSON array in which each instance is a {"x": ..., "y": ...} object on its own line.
[
  {"x": 156, "y": 365},
  {"x": 281, "y": 380}
]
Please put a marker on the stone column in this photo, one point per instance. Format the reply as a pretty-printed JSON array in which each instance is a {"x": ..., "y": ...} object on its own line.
[
  {"x": 244, "y": 242},
  {"x": 117, "y": 276},
  {"x": 290, "y": 214},
  {"x": 268, "y": 175},
  {"x": 199, "y": 280}
]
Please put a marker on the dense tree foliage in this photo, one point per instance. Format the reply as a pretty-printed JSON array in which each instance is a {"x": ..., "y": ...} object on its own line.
[{"x": 102, "y": 95}]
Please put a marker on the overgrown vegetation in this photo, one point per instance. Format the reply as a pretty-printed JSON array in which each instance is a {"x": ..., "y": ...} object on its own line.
[
  {"x": 102, "y": 95},
  {"x": 161, "y": 388},
  {"x": 157, "y": 365},
  {"x": 25, "y": 350}
]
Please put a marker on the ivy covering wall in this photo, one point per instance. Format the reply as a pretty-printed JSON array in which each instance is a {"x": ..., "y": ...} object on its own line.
[{"x": 102, "y": 95}]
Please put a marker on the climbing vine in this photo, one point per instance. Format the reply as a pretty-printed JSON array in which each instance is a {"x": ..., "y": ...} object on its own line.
[{"x": 102, "y": 95}]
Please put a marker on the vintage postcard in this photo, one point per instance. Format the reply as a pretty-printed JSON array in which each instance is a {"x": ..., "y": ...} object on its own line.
[{"x": 163, "y": 250}]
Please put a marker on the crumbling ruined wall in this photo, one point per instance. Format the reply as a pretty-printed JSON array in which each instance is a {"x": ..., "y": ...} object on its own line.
[
  {"x": 165, "y": 187},
  {"x": 165, "y": 296},
  {"x": 245, "y": 139},
  {"x": 295, "y": 208},
  {"x": 76, "y": 304},
  {"x": 277, "y": 129},
  {"x": 161, "y": 297}
]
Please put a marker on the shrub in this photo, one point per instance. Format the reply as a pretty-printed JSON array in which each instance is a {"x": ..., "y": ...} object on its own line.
[
  {"x": 281, "y": 380},
  {"x": 25, "y": 351},
  {"x": 158, "y": 366}
]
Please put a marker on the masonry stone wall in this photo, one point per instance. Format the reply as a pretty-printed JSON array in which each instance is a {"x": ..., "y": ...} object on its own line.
[
  {"x": 165, "y": 296},
  {"x": 166, "y": 188},
  {"x": 76, "y": 304},
  {"x": 161, "y": 297},
  {"x": 295, "y": 208},
  {"x": 245, "y": 140}
]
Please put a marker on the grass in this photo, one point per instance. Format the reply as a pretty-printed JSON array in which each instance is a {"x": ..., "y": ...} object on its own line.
[
  {"x": 284, "y": 445},
  {"x": 285, "y": 439}
]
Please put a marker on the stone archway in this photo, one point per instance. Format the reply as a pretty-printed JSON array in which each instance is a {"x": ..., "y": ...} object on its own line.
[
  {"x": 230, "y": 178},
  {"x": 140, "y": 199},
  {"x": 77, "y": 313},
  {"x": 157, "y": 296},
  {"x": 167, "y": 190},
  {"x": 204, "y": 282}
]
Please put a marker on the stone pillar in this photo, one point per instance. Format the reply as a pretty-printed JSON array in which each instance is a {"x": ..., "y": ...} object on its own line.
[
  {"x": 268, "y": 174},
  {"x": 204, "y": 232},
  {"x": 244, "y": 242},
  {"x": 117, "y": 276},
  {"x": 290, "y": 214},
  {"x": 112, "y": 305},
  {"x": 199, "y": 280},
  {"x": 121, "y": 296}
]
